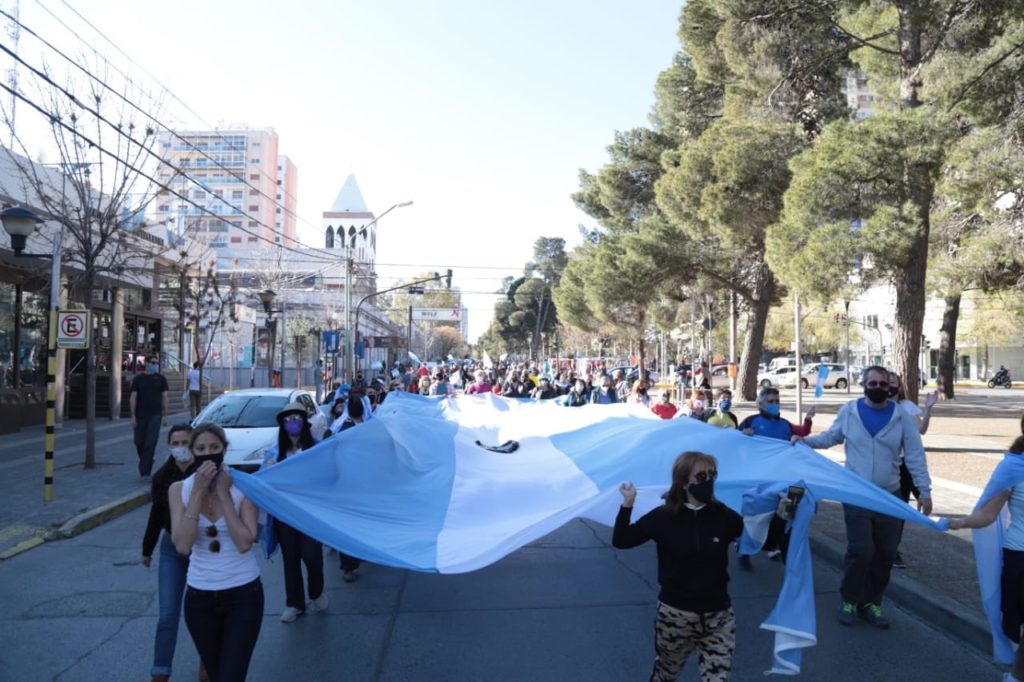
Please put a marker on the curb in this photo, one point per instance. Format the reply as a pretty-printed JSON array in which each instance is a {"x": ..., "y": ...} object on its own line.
[
  {"x": 98, "y": 516},
  {"x": 934, "y": 608}
]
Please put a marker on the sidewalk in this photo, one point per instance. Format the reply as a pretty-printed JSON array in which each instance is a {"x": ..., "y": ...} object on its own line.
[
  {"x": 939, "y": 584},
  {"x": 82, "y": 499}
]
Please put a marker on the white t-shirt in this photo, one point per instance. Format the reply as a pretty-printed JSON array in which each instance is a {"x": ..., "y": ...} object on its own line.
[
  {"x": 910, "y": 408},
  {"x": 193, "y": 380},
  {"x": 224, "y": 569}
]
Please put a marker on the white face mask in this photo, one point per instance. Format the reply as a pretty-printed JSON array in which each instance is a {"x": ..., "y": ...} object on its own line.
[{"x": 181, "y": 454}]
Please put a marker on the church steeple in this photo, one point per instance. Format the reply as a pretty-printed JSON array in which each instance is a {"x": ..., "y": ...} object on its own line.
[{"x": 349, "y": 199}]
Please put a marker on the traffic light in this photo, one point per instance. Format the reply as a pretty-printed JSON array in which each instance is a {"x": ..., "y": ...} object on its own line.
[{"x": 448, "y": 279}]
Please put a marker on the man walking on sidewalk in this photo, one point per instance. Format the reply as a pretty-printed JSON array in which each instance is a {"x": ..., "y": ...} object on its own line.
[
  {"x": 149, "y": 406},
  {"x": 875, "y": 431}
]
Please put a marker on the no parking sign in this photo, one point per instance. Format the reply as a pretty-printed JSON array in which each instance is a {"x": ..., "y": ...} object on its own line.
[{"x": 73, "y": 329}]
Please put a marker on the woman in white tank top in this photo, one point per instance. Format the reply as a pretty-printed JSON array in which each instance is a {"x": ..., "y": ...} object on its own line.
[{"x": 213, "y": 522}]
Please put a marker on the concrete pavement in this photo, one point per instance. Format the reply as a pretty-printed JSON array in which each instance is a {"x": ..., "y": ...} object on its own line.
[{"x": 568, "y": 607}]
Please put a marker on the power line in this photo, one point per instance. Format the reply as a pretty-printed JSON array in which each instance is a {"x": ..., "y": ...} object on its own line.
[
  {"x": 57, "y": 121},
  {"x": 179, "y": 171},
  {"x": 132, "y": 82}
]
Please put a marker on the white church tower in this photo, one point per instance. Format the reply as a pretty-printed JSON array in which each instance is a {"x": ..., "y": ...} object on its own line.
[{"x": 349, "y": 222}]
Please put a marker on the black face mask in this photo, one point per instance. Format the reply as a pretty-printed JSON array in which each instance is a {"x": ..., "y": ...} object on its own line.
[
  {"x": 216, "y": 459},
  {"x": 894, "y": 391},
  {"x": 876, "y": 395},
  {"x": 702, "y": 492}
]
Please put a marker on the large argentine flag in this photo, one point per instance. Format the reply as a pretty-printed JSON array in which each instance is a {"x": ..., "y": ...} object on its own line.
[{"x": 417, "y": 487}]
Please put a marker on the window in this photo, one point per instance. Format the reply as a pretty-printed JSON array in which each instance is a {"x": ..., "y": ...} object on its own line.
[
  {"x": 165, "y": 207},
  {"x": 236, "y": 223},
  {"x": 257, "y": 144},
  {"x": 871, "y": 321},
  {"x": 236, "y": 240},
  {"x": 252, "y": 223},
  {"x": 250, "y": 239},
  {"x": 279, "y": 210},
  {"x": 254, "y": 176},
  {"x": 253, "y": 207},
  {"x": 253, "y": 192},
  {"x": 254, "y": 161},
  {"x": 236, "y": 194},
  {"x": 279, "y": 182},
  {"x": 199, "y": 194}
]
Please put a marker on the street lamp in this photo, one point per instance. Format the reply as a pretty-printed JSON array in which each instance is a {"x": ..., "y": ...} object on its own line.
[
  {"x": 19, "y": 222},
  {"x": 267, "y": 297}
]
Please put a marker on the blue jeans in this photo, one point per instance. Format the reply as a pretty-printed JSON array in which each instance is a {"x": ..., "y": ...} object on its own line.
[
  {"x": 225, "y": 625},
  {"x": 172, "y": 571}
]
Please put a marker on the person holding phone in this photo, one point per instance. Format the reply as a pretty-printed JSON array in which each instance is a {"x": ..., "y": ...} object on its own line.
[
  {"x": 214, "y": 523},
  {"x": 692, "y": 531}
]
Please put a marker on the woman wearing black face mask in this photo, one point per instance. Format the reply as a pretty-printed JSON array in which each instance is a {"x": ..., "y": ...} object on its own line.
[
  {"x": 693, "y": 531},
  {"x": 214, "y": 522},
  {"x": 297, "y": 548}
]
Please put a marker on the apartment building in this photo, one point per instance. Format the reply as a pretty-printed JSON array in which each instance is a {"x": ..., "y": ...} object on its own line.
[{"x": 240, "y": 192}]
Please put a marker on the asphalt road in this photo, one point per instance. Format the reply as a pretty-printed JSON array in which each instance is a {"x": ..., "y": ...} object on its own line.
[{"x": 569, "y": 607}]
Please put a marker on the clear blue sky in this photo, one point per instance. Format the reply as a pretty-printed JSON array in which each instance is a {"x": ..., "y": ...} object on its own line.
[{"x": 480, "y": 112}]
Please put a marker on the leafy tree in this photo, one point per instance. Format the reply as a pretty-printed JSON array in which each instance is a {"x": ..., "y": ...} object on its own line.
[
  {"x": 728, "y": 186},
  {"x": 103, "y": 143}
]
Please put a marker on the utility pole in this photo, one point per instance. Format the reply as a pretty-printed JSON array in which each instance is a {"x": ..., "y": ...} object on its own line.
[
  {"x": 732, "y": 340},
  {"x": 846, "y": 323},
  {"x": 799, "y": 364}
]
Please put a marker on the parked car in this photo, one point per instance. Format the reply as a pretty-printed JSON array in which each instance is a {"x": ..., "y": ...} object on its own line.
[
  {"x": 837, "y": 377},
  {"x": 775, "y": 377},
  {"x": 632, "y": 373},
  {"x": 249, "y": 417}
]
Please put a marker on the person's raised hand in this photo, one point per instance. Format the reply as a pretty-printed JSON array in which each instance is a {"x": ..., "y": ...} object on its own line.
[
  {"x": 204, "y": 475},
  {"x": 628, "y": 491},
  {"x": 224, "y": 480}
]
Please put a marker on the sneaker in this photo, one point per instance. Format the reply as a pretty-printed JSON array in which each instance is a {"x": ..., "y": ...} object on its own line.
[
  {"x": 348, "y": 576},
  {"x": 872, "y": 613},
  {"x": 289, "y": 614},
  {"x": 320, "y": 603},
  {"x": 745, "y": 564},
  {"x": 898, "y": 562},
  {"x": 847, "y": 610}
]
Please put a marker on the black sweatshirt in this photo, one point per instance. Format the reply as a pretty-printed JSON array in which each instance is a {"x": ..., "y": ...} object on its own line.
[
  {"x": 160, "y": 512},
  {"x": 693, "y": 552}
]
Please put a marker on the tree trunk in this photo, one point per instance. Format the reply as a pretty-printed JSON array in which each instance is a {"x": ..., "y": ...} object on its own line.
[
  {"x": 640, "y": 360},
  {"x": 762, "y": 293},
  {"x": 90, "y": 377},
  {"x": 910, "y": 302},
  {"x": 947, "y": 345}
]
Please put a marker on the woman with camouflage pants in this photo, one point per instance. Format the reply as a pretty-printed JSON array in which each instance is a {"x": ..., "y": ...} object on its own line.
[{"x": 693, "y": 532}]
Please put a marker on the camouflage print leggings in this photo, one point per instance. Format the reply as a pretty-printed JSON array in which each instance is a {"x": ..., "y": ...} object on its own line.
[{"x": 678, "y": 632}]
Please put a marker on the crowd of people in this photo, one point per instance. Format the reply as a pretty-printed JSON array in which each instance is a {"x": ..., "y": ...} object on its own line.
[{"x": 206, "y": 529}]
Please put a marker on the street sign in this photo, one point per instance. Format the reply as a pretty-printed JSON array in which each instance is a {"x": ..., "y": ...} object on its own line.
[
  {"x": 73, "y": 329},
  {"x": 388, "y": 341},
  {"x": 331, "y": 340},
  {"x": 245, "y": 314},
  {"x": 437, "y": 314}
]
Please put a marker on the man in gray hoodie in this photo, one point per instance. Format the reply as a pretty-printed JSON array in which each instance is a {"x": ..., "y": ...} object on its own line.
[{"x": 875, "y": 432}]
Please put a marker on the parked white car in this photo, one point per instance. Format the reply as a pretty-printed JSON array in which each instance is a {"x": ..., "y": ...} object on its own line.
[
  {"x": 837, "y": 377},
  {"x": 249, "y": 417},
  {"x": 777, "y": 377}
]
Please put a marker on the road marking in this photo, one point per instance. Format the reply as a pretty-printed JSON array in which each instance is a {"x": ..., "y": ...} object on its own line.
[{"x": 957, "y": 486}]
